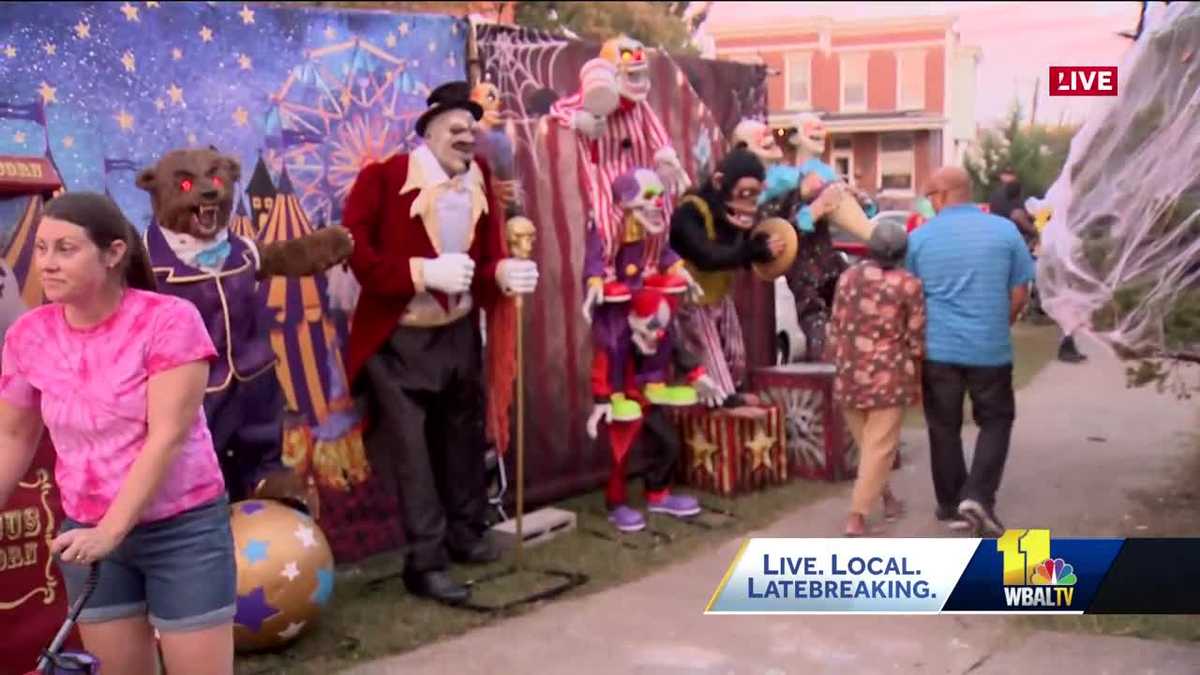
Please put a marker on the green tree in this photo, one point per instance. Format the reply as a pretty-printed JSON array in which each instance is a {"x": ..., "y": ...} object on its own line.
[
  {"x": 655, "y": 24},
  {"x": 1036, "y": 153}
]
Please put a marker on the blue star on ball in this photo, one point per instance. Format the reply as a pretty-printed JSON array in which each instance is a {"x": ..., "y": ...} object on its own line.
[
  {"x": 324, "y": 586},
  {"x": 255, "y": 551}
]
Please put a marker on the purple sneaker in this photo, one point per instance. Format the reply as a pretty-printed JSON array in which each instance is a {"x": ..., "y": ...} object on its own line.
[
  {"x": 626, "y": 519},
  {"x": 680, "y": 506}
]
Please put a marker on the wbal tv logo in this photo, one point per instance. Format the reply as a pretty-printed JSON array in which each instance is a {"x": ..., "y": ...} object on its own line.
[{"x": 1033, "y": 579}]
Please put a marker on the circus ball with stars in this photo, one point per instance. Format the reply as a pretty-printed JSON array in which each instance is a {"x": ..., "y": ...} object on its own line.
[{"x": 284, "y": 573}]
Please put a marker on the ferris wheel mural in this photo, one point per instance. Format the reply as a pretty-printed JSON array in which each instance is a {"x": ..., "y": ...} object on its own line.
[{"x": 347, "y": 105}]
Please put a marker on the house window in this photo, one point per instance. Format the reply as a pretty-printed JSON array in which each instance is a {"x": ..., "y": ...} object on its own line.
[
  {"x": 854, "y": 82},
  {"x": 910, "y": 79},
  {"x": 897, "y": 161},
  {"x": 798, "y": 68}
]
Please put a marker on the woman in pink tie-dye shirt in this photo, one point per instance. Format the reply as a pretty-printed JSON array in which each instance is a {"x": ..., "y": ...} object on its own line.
[{"x": 116, "y": 373}]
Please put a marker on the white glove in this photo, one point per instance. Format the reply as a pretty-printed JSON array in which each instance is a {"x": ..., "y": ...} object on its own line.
[
  {"x": 670, "y": 170},
  {"x": 449, "y": 273},
  {"x": 517, "y": 276},
  {"x": 593, "y": 299},
  {"x": 600, "y": 411},
  {"x": 342, "y": 288},
  {"x": 588, "y": 124},
  {"x": 710, "y": 395},
  {"x": 695, "y": 292}
]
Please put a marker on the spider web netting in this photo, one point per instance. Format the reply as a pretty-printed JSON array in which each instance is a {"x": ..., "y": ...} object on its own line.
[{"x": 1121, "y": 254}]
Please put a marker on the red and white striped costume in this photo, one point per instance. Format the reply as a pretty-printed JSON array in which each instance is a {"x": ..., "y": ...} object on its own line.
[{"x": 633, "y": 136}]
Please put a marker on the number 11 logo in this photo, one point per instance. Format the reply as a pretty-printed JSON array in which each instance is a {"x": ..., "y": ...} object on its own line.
[{"x": 1023, "y": 550}]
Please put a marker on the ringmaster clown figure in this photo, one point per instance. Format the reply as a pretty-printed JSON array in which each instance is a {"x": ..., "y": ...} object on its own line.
[{"x": 430, "y": 255}]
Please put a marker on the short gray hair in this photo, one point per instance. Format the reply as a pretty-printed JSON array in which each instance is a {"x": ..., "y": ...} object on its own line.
[{"x": 888, "y": 244}]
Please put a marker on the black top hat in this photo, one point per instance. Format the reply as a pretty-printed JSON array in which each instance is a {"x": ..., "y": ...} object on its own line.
[{"x": 449, "y": 96}]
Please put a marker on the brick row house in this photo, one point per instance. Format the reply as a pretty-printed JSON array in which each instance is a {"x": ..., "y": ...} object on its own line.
[{"x": 896, "y": 95}]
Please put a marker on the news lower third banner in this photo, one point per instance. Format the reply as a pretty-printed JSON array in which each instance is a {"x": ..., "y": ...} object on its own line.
[{"x": 1024, "y": 571}]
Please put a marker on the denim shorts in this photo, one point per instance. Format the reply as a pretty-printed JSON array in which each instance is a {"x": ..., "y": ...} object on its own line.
[{"x": 181, "y": 571}]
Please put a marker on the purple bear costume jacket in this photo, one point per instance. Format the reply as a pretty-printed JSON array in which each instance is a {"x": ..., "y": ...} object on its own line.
[{"x": 228, "y": 303}]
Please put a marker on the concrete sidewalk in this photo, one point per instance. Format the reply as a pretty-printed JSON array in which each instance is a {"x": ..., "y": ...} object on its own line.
[{"x": 1082, "y": 442}]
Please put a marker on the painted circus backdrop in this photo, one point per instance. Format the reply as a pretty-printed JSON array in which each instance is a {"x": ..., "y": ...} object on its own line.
[{"x": 305, "y": 98}]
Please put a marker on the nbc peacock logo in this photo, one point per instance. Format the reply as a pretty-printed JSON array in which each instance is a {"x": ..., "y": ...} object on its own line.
[
  {"x": 1032, "y": 578},
  {"x": 1054, "y": 573}
]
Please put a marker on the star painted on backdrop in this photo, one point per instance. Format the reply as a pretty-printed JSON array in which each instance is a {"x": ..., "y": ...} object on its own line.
[
  {"x": 19, "y": 137},
  {"x": 346, "y": 97},
  {"x": 83, "y": 30},
  {"x": 176, "y": 54},
  {"x": 403, "y": 29},
  {"x": 68, "y": 141},
  {"x": 192, "y": 138},
  {"x": 206, "y": 34},
  {"x": 244, "y": 61},
  {"x": 10, "y": 51},
  {"x": 127, "y": 60},
  {"x": 255, "y": 551},
  {"x": 48, "y": 93},
  {"x": 253, "y": 609},
  {"x": 50, "y": 48},
  {"x": 329, "y": 33},
  {"x": 451, "y": 61},
  {"x": 130, "y": 12},
  {"x": 291, "y": 631},
  {"x": 160, "y": 104},
  {"x": 390, "y": 40},
  {"x": 176, "y": 94},
  {"x": 432, "y": 46},
  {"x": 240, "y": 116},
  {"x": 291, "y": 571},
  {"x": 247, "y": 15},
  {"x": 151, "y": 5},
  {"x": 124, "y": 120},
  {"x": 306, "y": 536},
  {"x": 324, "y": 586}
]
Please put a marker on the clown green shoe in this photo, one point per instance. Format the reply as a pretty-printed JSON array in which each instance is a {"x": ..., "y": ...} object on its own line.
[
  {"x": 660, "y": 394},
  {"x": 624, "y": 410}
]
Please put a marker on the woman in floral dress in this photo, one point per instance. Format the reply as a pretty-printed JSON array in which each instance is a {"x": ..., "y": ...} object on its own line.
[{"x": 876, "y": 340}]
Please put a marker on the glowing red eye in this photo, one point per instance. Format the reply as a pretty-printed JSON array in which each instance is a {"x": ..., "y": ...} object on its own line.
[
  {"x": 216, "y": 181},
  {"x": 185, "y": 185}
]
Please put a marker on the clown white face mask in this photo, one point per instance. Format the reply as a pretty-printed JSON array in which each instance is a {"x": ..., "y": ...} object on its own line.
[
  {"x": 809, "y": 136},
  {"x": 451, "y": 138},
  {"x": 758, "y": 139},
  {"x": 640, "y": 193},
  {"x": 633, "y": 66},
  {"x": 650, "y": 329}
]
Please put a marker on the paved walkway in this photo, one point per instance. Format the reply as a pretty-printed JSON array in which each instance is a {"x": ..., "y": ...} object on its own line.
[{"x": 1081, "y": 444}]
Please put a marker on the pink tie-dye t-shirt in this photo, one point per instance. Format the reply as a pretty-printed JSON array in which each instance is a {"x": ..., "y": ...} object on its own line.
[{"x": 91, "y": 386}]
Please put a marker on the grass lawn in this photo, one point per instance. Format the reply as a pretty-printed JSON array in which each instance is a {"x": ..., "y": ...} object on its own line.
[
  {"x": 1034, "y": 346},
  {"x": 365, "y": 622}
]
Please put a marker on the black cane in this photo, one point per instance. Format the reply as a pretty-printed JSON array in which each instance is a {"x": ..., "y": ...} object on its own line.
[{"x": 46, "y": 662}]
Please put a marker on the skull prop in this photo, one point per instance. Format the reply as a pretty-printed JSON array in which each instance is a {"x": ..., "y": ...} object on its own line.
[
  {"x": 640, "y": 194},
  {"x": 488, "y": 97},
  {"x": 649, "y": 316},
  {"x": 757, "y": 138},
  {"x": 633, "y": 66},
  {"x": 809, "y": 137}
]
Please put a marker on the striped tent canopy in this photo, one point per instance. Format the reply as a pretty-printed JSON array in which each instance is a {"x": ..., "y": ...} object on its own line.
[
  {"x": 18, "y": 253},
  {"x": 302, "y": 335},
  {"x": 241, "y": 224}
]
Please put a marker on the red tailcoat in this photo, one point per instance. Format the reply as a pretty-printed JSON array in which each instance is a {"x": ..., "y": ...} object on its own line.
[{"x": 386, "y": 237}]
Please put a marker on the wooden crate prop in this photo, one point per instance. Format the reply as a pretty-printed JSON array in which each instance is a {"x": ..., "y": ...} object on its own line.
[
  {"x": 818, "y": 444},
  {"x": 731, "y": 452}
]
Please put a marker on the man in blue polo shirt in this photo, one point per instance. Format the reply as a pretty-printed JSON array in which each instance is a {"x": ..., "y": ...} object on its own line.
[{"x": 975, "y": 269}]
